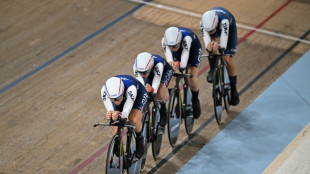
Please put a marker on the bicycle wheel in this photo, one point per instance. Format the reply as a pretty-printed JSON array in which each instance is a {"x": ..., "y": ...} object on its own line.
[
  {"x": 216, "y": 94},
  {"x": 114, "y": 164},
  {"x": 156, "y": 137},
  {"x": 174, "y": 115},
  {"x": 145, "y": 133},
  {"x": 133, "y": 164},
  {"x": 227, "y": 91},
  {"x": 189, "y": 118}
]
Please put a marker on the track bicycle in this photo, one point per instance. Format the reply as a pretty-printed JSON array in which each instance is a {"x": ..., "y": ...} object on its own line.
[
  {"x": 180, "y": 106},
  {"x": 220, "y": 86},
  {"x": 152, "y": 131},
  {"x": 119, "y": 161}
]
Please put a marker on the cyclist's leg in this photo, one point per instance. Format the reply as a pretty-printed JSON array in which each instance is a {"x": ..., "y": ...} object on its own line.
[
  {"x": 161, "y": 95},
  {"x": 231, "y": 65},
  {"x": 193, "y": 69},
  {"x": 230, "y": 53},
  {"x": 135, "y": 118},
  {"x": 171, "y": 84},
  {"x": 194, "y": 85},
  {"x": 211, "y": 63},
  {"x": 193, "y": 81},
  {"x": 232, "y": 72}
]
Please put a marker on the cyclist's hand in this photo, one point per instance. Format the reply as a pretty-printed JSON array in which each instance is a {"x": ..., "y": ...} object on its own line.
[
  {"x": 210, "y": 46},
  {"x": 172, "y": 64},
  {"x": 108, "y": 115},
  {"x": 216, "y": 47},
  {"x": 115, "y": 115},
  {"x": 175, "y": 65},
  {"x": 149, "y": 88}
]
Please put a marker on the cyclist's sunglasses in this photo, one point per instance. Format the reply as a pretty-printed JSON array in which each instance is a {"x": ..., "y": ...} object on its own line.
[
  {"x": 117, "y": 98},
  {"x": 145, "y": 72},
  {"x": 174, "y": 46}
]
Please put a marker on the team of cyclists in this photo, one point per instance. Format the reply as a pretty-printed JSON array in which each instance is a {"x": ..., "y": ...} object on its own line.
[{"x": 126, "y": 96}]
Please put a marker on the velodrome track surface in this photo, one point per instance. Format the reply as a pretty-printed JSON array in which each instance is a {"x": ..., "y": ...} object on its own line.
[{"x": 55, "y": 57}]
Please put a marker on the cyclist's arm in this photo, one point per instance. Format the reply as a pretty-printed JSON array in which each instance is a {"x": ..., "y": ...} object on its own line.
[
  {"x": 158, "y": 72},
  {"x": 131, "y": 94},
  {"x": 206, "y": 37},
  {"x": 137, "y": 75},
  {"x": 187, "y": 42},
  {"x": 106, "y": 100},
  {"x": 224, "y": 34},
  {"x": 167, "y": 51}
]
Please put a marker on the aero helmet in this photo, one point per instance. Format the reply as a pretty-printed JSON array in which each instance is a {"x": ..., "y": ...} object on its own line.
[
  {"x": 144, "y": 62},
  {"x": 209, "y": 20},
  {"x": 115, "y": 87},
  {"x": 173, "y": 36}
]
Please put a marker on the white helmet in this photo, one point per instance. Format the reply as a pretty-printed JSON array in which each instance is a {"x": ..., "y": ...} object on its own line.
[
  {"x": 173, "y": 36},
  {"x": 209, "y": 20},
  {"x": 144, "y": 62},
  {"x": 115, "y": 87}
]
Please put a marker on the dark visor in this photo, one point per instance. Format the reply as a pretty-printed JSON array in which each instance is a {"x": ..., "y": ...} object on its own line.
[
  {"x": 174, "y": 46},
  {"x": 145, "y": 72},
  {"x": 117, "y": 98}
]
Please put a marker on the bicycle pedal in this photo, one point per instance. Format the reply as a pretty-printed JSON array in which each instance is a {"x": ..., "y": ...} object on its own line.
[
  {"x": 135, "y": 159},
  {"x": 189, "y": 112}
]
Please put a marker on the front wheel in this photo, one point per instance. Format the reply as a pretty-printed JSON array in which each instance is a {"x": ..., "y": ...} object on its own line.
[
  {"x": 133, "y": 164},
  {"x": 174, "y": 116},
  {"x": 227, "y": 99},
  {"x": 227, "y": 90},
  {"x": 189, "y": 118},
  {"x": 115, "y": 160},
  {"x": 157, "y": 137},
  {"x": 217, "y": 96},
  {"x": 145, "y": 133}
]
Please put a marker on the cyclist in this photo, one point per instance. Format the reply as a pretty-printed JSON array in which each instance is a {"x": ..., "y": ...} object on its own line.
[
  {"x": 182, "y": 49},
  {"x": 219, "y": 31},
  {"x": 124, "y": 96},
  {"x": 155, "y": 73}
]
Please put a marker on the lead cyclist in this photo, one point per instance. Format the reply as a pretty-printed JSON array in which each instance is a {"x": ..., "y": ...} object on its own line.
[{"x": 219, "y": 31}]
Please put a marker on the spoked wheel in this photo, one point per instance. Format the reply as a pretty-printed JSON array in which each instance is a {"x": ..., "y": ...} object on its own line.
[
  {"x": 115, "y": 161},
  {"x": 174, "y": 115},
  {"x": 133, "y": 164},
  {"x": 157, "y": 134},
  {"x": 189, "y": 118},
  {"x": 145, "y": 133},
  {"x": 217, "y": 96}
]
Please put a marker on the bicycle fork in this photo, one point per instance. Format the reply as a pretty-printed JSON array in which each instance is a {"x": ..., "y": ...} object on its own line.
[{"x": 180, "y": 105}]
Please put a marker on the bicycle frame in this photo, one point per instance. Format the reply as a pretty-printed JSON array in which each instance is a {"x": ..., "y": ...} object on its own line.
[
  {"x": 221, "y": 86},
  {"x": 179, "y": 77},
  {"x": 177, "y": 111},
  {"x": 128, "y": 157},
  {"x": 152, "y": 122}
]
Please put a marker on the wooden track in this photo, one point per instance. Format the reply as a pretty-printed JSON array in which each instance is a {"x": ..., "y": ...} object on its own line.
[{"x": 46, "y": 118}]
